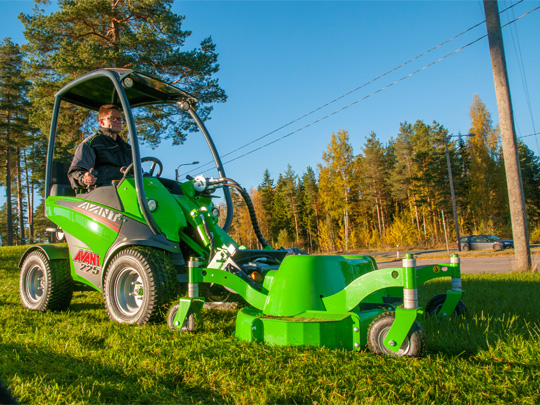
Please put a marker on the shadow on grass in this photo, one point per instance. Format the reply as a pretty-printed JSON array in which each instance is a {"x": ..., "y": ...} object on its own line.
[
  {"x": 84, "y": 380},
  {"x": 501, "y": 309}
]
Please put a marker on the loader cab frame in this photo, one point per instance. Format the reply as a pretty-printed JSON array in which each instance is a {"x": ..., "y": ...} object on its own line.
[{"x": 127, "y": 89}]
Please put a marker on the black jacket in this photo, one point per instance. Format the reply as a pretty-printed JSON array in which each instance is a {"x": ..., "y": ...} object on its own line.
[{"x": 102, "y": 153}]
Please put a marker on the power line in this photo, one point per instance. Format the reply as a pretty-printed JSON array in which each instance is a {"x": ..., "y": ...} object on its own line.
[
  {"x": 519, "y": 56},
  {"x": 526, "y": 136},
  {"x": 358, "y": 88}
]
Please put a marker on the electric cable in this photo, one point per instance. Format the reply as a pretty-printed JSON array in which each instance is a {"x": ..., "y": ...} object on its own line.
[
  {"x": 251, "y": 209},
  {"x": 358, "y": 88}
]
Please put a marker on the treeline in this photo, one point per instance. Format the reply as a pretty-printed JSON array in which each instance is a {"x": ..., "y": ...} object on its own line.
[
  {"x": 382, "y": 195},
  {"x": 77, "y": 38},
  {"x": 393, "y": 194}
]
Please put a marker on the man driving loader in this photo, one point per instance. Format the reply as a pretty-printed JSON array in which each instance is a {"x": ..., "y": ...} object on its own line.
[{"x": 99, "y": 158}]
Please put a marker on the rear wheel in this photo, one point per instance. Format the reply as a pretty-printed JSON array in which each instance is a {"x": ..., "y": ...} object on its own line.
[
  {"x": 45, "y": 284},
  {"x": 466, "y": 248},
  {"x": 435, "y": 304},
  {"x": 413, "y": 346},
  {"x": 139, "y": 284}
]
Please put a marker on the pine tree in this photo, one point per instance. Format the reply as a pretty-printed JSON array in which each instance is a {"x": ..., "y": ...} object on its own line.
[
  {"x": 266, "y": 193},
  {"x": 311, "y": 209},
  {"x": 14, "y": 127},
  {"x": 144, "y": 35},
  {"x": 337, "y": 187},
  {"x": 488, "y": 195},
  {"x": 374, "y": 173}
]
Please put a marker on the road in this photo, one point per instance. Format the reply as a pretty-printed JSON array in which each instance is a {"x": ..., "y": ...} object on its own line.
[{"x": 469, "y": 265}]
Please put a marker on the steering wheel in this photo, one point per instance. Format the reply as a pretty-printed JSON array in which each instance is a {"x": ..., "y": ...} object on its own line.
[{"x": 155, "y": 162}]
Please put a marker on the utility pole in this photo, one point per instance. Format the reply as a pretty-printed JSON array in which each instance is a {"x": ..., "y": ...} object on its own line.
[
  {"x": 452, "y": 193},
  {"x": 518, "y": 214}
]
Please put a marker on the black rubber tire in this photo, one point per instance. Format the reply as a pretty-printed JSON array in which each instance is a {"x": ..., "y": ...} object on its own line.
[
  {"x": 497, "y": 247},
  {"x": 435, "y": 304},
  {"x": 170, "y": 317},
  {"x": 184, "y": 327},
  {"x": 466, "y": 248},
  {"x": 45, "y": 285},
  {"x": 139, "y": 285},
  {"x": 413, "y": 346}
]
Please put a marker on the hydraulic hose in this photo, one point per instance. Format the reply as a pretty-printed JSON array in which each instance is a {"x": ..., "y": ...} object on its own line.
[{"x": 249, "y": 203}]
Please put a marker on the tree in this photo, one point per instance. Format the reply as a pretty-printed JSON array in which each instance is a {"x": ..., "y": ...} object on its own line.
[
  {"x": 13, "y": 127},
  {"x": 337, "y": 186},
  {"x": 266, "y": 193},
  {"x": 310, "y": 208},
  {"x": 488, "y": 186},
  {"x": 143, "y": 35},
  {"x": 530, "y": 173},
  {"x": 374, "y": 169}
]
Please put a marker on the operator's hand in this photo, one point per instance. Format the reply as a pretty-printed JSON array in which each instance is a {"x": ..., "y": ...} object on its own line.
[{"x": 89, "y": 179}]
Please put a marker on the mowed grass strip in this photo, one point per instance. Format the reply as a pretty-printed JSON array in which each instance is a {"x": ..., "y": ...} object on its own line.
[{"x": 79, "y": 356}]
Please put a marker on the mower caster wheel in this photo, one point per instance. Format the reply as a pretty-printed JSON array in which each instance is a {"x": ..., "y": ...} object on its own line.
[
  {"x": 413, "y": 346},
  {"x": 435, "y": 304},
  {"x": 45, "y": 284},
  {"x": 185, "y": 327}
]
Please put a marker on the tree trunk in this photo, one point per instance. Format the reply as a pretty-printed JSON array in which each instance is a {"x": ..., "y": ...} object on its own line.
[
  {"x": 9, "y": 212},
  {"x": 30, "y": 200},
  {"x": 20, "y": 197}
]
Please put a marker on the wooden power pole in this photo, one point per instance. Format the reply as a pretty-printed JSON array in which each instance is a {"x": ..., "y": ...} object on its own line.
[{"x": 518, "y": 214}]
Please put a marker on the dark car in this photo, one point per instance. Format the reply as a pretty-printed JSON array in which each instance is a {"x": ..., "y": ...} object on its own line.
[{"x": 481, "y": 242}]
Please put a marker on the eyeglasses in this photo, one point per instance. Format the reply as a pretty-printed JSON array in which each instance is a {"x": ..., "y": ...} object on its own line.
[{"x": 112, "y": 118}]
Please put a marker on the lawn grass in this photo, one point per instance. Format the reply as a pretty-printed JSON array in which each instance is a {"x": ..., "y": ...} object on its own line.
[{"x": 79, "y": 356}]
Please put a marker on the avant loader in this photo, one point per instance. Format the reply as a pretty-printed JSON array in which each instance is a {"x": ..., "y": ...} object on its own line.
[{"x": 146, "y": 240}]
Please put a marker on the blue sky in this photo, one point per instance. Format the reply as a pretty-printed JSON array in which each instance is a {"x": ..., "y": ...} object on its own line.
[{"x": 283, "y": 59}]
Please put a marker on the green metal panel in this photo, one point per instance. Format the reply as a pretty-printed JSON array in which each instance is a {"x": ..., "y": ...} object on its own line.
[
  {"x": 97, "y": 235},
  {"x": 168, "y": 214},
  {"x": 310, "y": 328},
  {"x": 348, "y": 298},
  {"x": 301, "y": 282}
]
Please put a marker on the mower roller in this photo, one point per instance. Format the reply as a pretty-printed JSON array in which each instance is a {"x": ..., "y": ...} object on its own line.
[{"x": 145, "y": 240}]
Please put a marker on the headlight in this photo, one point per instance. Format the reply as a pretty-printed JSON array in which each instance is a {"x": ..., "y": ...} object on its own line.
[
  {"x": 215, "y": 212},
  {"x": 152, "y": 205}
]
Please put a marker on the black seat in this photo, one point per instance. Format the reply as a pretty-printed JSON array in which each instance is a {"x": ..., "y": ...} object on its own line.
[{"x": 59, "y": 179}]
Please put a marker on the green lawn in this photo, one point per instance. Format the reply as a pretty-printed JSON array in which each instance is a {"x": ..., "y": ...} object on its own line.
[{"x": 79, "y": 356}]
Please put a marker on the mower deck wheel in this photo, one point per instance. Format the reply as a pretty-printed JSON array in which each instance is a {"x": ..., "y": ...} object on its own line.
[
  {"x": 436, "y": 302},
  {"x": 45, "y": 284},
  {"x": 413, "y": 346},
  {"x": 170, "y": 319}
]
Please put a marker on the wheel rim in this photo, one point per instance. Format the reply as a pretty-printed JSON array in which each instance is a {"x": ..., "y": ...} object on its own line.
[
  {"x": 403, "y": 350},
  {"x": 129, "y": 291},
  {"x": 35, "y": 284}
]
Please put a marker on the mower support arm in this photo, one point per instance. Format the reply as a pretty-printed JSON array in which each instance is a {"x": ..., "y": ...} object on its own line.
[
  {"x": 254, "y": 297},
  {"x": 348, "y": 298}
]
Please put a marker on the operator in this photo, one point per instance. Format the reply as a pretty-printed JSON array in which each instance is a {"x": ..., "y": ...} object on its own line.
[{"x": 99, "y": 158}]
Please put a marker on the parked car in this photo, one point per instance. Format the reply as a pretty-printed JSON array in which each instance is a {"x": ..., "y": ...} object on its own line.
[{"x": 481, "y": 242}]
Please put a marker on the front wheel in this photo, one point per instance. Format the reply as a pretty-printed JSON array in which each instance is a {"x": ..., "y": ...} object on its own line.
[
  {"x": 45, "y": 284},
  {"x": 138, "y": 285},
  {"x": 435, "y": 304},
  {"x": 497, "y": 247},
  {"x": 413, "y": 346}
]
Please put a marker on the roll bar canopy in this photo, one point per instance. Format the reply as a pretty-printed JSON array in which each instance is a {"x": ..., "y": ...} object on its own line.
[{"x": 128, "y": 89}]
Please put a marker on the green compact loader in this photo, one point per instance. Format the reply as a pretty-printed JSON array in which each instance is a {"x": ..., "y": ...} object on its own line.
[{"x": 144, "y": 239}]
